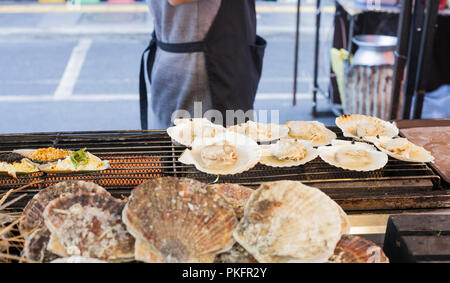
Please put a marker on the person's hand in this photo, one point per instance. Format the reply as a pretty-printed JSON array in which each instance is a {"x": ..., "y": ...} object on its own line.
[{"x": 180, "y": 2}]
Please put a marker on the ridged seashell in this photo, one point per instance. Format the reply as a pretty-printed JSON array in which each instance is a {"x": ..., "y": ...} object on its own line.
[
  {"x": 78, "y": 259},
  {"x": 226, "y": 154},
  {"x": 179, "y": 220},
  {"x": 33, "y": 212},
  {"x": 260, "y": 132},
  {"x": 35, "y": 247},
  {"x": 353, "y": 156},
  {"x": 402, "y": 149},
  {"x": 313, "y": 131},
  {"x": 287, "y": 221},
  {"x": 234, "y": 194},
  {"x": 288, "y": 153},
  {"x": 237, "y": 254},
  {"x": 66, "y": 166},
  {"x": 44, "y": 155},
  {"x": 361, "y": 126},
  {"x": 354, "y": 249},
  {"x": 186, "y": 131},
  {"x": 88, "y": 225}
]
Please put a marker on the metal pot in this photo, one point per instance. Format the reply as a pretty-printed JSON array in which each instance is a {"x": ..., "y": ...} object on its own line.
[{"x": 374, "y": 50}]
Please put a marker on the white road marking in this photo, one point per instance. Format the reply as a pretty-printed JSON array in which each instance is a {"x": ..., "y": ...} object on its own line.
[
  {"x": 73, "y": 69},
  {"x": 129, "y": 97}
]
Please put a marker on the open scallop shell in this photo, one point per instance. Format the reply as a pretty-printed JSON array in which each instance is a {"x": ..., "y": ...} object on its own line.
[
  {"x": 186, "y": 131},
  {"x": 44, "y": 155},
  {"x": 301, "y": 150},
  {"x": 402, "y": 149},
  {"x": 260, "y": 132},
  {"x": 179, "y": 220},
  {"x": 286, "y": 221},
  {"x": 226, "y": 154},
  {"x": 354, "y": 249},
  {"x": 361, "y": 126},
  {"x": 234, "y": 194},
  {"x": 65, "y": 166},
  {"x": 88, "y": 225},
  {"x": 13, "y": 164},
  {"x": 353, "y": 156},
  {"x": 313, "y": 131},
  {"x": 32, "y": 216}
]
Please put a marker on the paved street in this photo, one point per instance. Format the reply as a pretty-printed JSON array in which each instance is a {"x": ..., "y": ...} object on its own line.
[{"x": 76, "y": 68}]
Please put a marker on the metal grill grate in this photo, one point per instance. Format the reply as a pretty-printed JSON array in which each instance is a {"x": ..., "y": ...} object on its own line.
[{"x": 136, "y": 156}]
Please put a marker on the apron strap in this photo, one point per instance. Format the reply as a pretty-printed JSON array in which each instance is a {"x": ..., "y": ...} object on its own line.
[
  {"x": 143, "y": 100},
  {"x": 188, "y": 47}
]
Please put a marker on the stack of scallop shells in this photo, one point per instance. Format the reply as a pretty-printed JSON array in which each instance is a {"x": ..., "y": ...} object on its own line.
[{"x": 172, "y": 219}]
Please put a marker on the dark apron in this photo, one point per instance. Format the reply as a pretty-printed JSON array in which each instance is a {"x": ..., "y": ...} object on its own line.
[{"x": 233, "y": 53}]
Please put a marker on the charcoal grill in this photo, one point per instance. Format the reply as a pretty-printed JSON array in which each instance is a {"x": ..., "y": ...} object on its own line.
[{"x": 137, "y": 156}]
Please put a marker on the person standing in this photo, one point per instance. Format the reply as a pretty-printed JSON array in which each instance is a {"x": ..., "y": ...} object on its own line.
[{"x": 203, "y": 51}]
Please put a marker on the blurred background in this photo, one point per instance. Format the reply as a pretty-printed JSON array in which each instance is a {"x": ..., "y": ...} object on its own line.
[{"x": 74, "y": 65}]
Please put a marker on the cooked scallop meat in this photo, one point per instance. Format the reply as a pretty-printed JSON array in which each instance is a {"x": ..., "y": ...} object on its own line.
[
  {"x": 361, "y": 126},
  {"x": 353, "y": 156},
  {"x": 313, "y": 131},
  {"x": 186, "y": 131},
  {"x": 44, "y": 155},
  {"x": 260, "y": 132},
  {"x": 225, "y": 154},
  {"x": 402, "y": 149},
  {"x": 287, "y": 153}
]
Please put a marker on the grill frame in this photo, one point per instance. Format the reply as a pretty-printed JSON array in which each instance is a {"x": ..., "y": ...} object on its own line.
[{"x": 400, "y": 185}]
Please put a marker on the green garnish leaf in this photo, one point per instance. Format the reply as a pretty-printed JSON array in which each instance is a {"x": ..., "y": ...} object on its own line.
[{"x": 79, "y": 157}]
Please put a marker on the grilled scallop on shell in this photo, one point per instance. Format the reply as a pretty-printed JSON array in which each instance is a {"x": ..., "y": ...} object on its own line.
[
  {"x": 313, "y": 131},
  {"x": 361, "y": 126},
  {"x": 186, "y": 131},
  {"x": 89, "y": 225},
  {"x": 225, "y": 154},
  {"x": 260, "y": 132},
  {"x": 354, "y": 156},
  {"x": 179, "y": 220},
  {"x": 286, "y": 221},
  {"x": 44, "y": 155},
  {"x": 32, "y": 226},
  {"x": 234, "y": 194},
  {"x": 402, "y": 149},
  {"x": 287, "y": 153},
  {"x": 13, "y": 163}
]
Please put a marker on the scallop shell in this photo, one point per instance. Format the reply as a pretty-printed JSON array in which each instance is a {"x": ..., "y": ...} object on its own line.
[
  {"x": 53, "y": 166},
  {"x": 269, "y": 159},
  {"x": 179, "y": 220},
  {"x": 35, "y": 247},
  {"x": 234, "y": 194},
  {"x": 361, "y": 126},
  {"x": 354, "y": 249},
  {"x": 49, "y": 154},
  {"x": 237, "y": 254},
  {"x": 413, "y": 152},
  {"x": 186, "y": 131},
  {"x": 78, "y": 259},
  {"x": 360, "y": 156},
  {"x": 287, "y": 221},
  {"x": 313, "y": 131},
  {"x": 32, "y": 215},
  {"x": 88, "y": 225},
  {"x": 246, "y": 154},
  {"x": 260, "y": 132}
]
